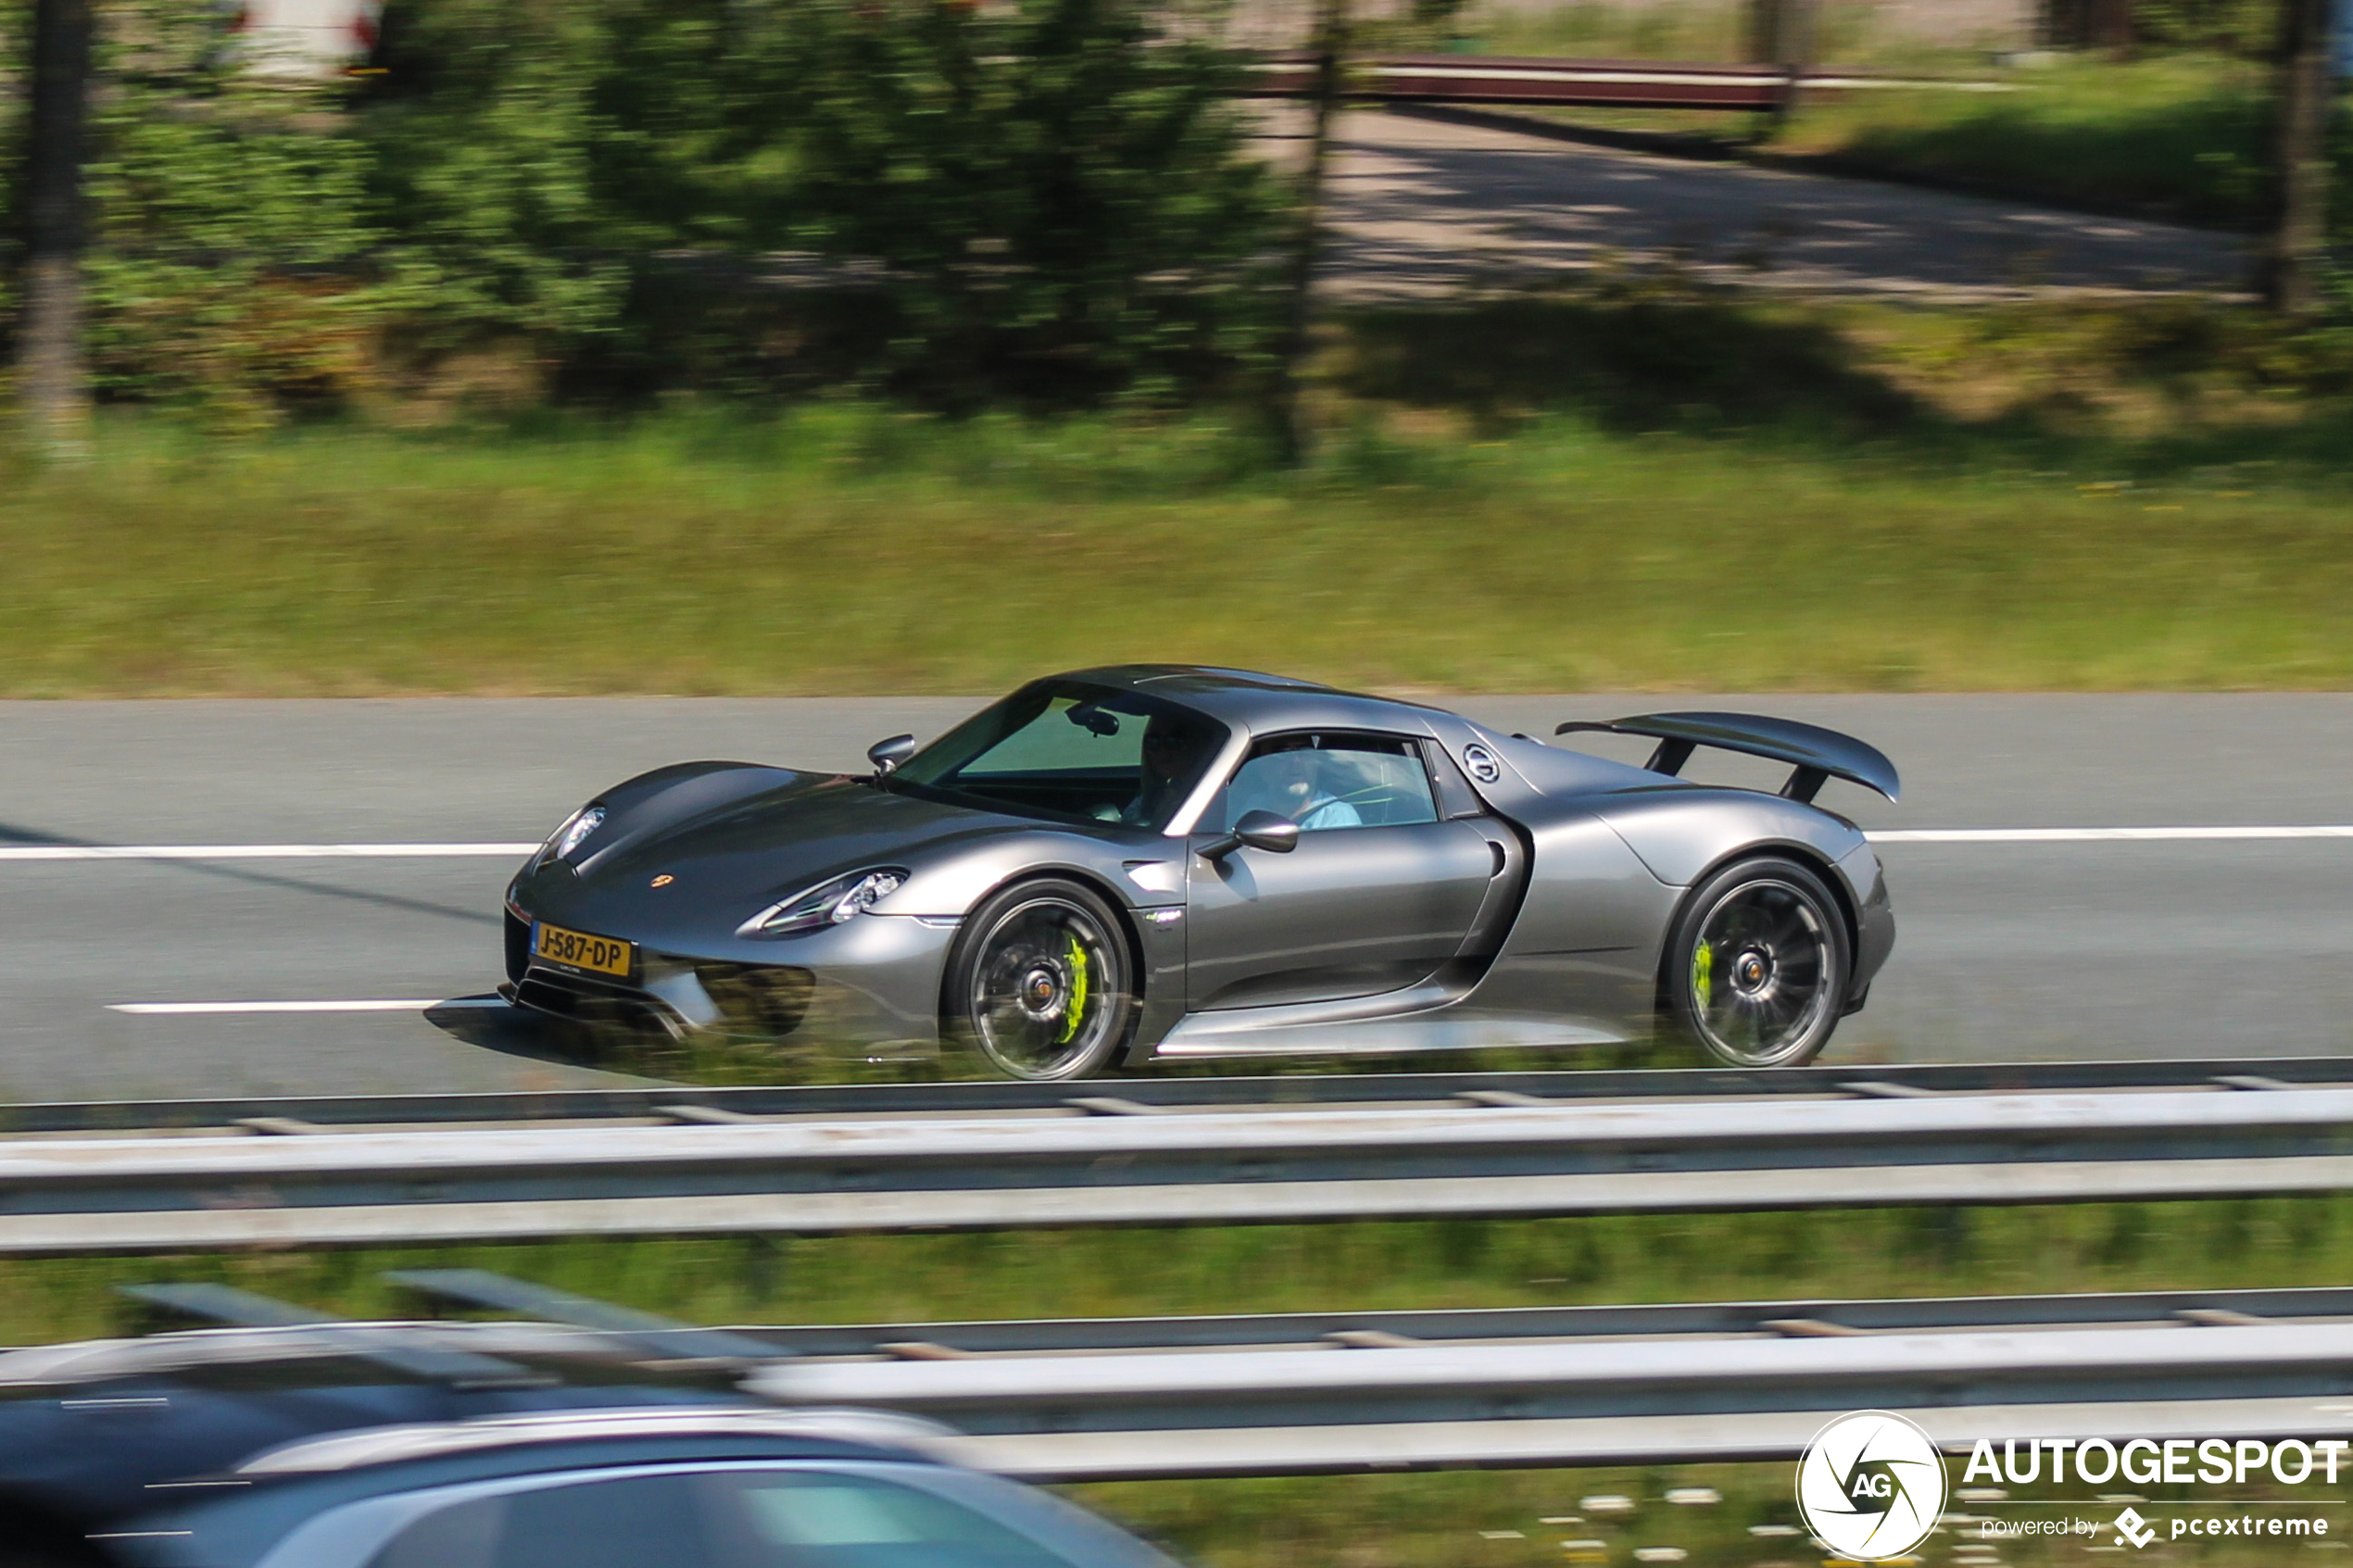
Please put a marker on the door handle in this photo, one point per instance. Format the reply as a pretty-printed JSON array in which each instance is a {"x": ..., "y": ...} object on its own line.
[{"x": 1501, "y": 860}]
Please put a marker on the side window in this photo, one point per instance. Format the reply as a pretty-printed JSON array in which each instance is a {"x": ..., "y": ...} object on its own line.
[
  {"x": 811, "y": 1519},
  {"x": 628, "y": 1522},
  {"x": 715, "y": 1519},
  {"x": 1456, "y": 799},
  {"x": 1323, "y": 781}
]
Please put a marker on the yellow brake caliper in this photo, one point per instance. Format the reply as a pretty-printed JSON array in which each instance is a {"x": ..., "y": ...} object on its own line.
[
  {"x": 1076, "y": 1009},
  {"x": 1703, "y": 975}
]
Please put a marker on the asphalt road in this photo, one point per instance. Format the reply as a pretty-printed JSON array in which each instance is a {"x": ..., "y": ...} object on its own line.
[
  {"x": 2009, "y": 950},
  {"x": 1421, "y": 207}
]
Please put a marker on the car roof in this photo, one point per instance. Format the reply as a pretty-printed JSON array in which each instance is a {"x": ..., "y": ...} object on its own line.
[
  {"x": 1258, "y": 703},
  {"x": 102, "y": 1430}
]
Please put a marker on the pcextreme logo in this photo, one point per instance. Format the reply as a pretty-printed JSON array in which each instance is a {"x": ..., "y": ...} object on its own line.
[{"x": 1871, "y": 1486}]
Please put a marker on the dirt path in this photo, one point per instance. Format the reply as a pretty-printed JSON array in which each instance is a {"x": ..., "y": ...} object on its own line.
[{"x": 1424, "y": 208}]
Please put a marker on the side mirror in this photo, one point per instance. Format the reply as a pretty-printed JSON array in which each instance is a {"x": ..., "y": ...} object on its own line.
[
  {"x": 1257, "y": 830},
  {"x": 886, "y": 755}
]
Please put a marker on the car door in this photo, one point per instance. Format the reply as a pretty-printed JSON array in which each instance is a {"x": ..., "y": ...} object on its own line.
[{"x": 1382, "y": 891}]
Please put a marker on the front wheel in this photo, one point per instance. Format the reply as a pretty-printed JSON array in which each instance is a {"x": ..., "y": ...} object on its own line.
[
  {"x": 1040, "y": 983},
  {"x": 1756, "y": 965}
]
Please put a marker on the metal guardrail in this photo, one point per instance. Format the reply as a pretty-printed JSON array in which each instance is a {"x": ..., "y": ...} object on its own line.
[
  {"x": 1291, "y": 1394},
  {"x": 1371, "y": 1402},
  {"x": 1496, "y": 79},
  {"x": 682, "y": 1103},
  {"x": 1494, "y": 1154}
]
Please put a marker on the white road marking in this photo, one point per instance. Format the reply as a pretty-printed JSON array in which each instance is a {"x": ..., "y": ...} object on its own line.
[
  {"x": 403, "y": 1005},
  {"x": 2095, "y": 835},
  {"x": 254, "y": 851}
]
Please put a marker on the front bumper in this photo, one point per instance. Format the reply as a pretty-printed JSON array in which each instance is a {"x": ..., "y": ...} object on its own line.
[{"x": 872, "y": 982}]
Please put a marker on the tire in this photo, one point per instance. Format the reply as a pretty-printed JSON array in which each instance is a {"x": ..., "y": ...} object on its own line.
[
  {"x": 1756, "y": 964},
  {"x": 1040, "y": 983}
]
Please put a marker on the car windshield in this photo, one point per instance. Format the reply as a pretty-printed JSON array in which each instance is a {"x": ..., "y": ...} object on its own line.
[{"x": 1070, "y": 752}]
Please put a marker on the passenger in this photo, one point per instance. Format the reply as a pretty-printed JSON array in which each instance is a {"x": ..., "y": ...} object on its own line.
[{"x": 1172, "y": 760}]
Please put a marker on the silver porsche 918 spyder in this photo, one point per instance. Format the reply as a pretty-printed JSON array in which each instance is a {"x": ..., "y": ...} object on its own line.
[{"x": 1129, "y": 865}]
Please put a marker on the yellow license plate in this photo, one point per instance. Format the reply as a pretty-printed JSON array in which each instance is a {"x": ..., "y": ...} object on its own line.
[{"x": 577, "y": 950}]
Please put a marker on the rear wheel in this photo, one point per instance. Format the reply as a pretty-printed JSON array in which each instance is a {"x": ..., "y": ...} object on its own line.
[
  {"x": 1040, "y": 983},
  {"x": 1758, "y": 963}
]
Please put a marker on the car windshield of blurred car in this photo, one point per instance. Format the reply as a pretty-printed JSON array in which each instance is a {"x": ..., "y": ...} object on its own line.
[{"x": 1070, "y": 752}]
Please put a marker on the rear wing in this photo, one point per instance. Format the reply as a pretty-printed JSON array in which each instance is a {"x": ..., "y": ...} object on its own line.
[{"x": 1816, "y": 754}]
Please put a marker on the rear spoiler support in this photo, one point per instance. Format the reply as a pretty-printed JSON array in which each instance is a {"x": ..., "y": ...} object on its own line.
[{"x": 1816, "y": 755}]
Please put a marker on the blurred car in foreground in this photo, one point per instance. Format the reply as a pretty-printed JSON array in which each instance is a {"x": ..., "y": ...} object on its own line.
[
  {"x": 480, "y": 1445},
  {"x": 1159, "y": 862}
]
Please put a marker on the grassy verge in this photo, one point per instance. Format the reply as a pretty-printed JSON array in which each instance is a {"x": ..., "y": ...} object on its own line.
[
  {"x": 1641, "y": 484},
  {"x": 2180, "y": 135},
  {"x": 2175, "y": 135},
  {"x": 1848, "y": 33},
  {"x": 1463, "y": 1521}
]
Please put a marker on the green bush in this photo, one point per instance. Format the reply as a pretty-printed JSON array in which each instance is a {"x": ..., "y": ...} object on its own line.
[
  {"x": 1058, "y": 190},
  {"x": 228, "y": 266},
  {"x": 1050, "y": 200}
]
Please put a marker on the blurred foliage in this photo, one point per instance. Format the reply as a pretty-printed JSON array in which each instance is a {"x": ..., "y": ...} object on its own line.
[
  {"x": 2249, "y": 28},
  {"x": 482, "y": 148},
  {"x": 1847, "y": 32},
  {"x": 228, "y": 268},
  {"x": 2183, "y": 136},
  {"x": 1058, "y": 189},
  {"x": 1044, "y": 203},
  {"x": 1044, "y": 199},
  {"x": 12, "y": 108}
]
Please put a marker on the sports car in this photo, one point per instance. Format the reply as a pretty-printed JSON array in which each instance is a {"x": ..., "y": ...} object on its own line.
[{"x": 1120, "y": 866}]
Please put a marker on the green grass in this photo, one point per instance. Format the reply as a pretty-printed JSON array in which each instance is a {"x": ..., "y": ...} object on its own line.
[
  {"x": 2177, "y": 135},
  {"x": 2180, "y": 135},
  {"x": 1644, "y": 487},
  {"x": 1363, "y": 1522}
]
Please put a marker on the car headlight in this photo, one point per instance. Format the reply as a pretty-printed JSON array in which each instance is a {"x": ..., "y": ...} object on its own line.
[
  {"x": 575, "y": 832},
  {"x": 840, "y": 900}
]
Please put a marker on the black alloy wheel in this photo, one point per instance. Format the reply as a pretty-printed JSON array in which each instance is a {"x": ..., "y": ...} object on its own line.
[
  {"x": 1756, "y": 967},
  {"x": 1040, "y": 983}
]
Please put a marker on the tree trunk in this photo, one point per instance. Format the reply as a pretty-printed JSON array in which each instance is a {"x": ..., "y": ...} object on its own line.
[
  {"x": 1291, "y": 436},
  {"x": 54, "y": 379},
  {"x": 2307, "y": 80},
  {"x": 2110, "y": 26}
]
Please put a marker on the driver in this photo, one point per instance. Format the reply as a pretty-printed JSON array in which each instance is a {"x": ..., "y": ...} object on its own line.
[{"x": 1170, "y": 760}]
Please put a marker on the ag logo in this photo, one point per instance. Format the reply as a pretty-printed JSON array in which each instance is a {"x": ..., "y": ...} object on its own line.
[
  {"x": 1871, "y": 1486},
  {"x": 1481, "y": 763}
]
